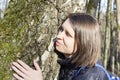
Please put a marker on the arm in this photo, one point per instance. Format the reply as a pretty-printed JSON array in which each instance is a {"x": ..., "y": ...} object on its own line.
[{"x": 24, "y": 72}]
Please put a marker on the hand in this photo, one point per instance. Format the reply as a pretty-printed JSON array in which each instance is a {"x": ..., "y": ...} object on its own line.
[{"x": 24, "y": 72}]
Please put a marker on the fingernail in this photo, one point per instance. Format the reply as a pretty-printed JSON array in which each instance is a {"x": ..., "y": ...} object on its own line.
[
  {"x": 18, "y": 60},
  {"x": 13, "y": 63},
  {"x": 13, "y": 74},
  {"x": 10, "y": 68}
]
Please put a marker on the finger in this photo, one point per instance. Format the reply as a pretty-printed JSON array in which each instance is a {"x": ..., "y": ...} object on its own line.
[
  {"x": 18, "y": 71},
  {"x": 37, "y": 67},
  {"x": 19, "y": 67},
  {"x": 17, "y": 77},
  {"x": 24, "y": 65}
]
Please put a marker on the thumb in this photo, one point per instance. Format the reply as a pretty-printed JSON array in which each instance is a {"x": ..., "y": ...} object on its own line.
[{"x": 37, "y": 67}]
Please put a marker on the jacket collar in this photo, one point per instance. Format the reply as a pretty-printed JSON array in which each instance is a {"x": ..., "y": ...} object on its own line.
[{"x": 66, "y": 62}]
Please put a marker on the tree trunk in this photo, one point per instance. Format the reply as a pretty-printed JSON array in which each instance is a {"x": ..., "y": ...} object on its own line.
[
  {"x": 91, "y": 7},
  {"x": 118, "y": 35},
  {"x": 107, "y": 35}
]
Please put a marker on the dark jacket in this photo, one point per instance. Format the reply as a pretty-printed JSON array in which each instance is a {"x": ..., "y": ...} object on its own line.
[{"x": 69, "y": 72}]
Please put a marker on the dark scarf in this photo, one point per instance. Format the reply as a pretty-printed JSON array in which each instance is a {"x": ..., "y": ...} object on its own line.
[{"x": 67, "y": 69}]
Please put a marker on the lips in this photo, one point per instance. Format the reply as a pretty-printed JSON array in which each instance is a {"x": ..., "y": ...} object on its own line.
[{"x": 58, "y": 43}]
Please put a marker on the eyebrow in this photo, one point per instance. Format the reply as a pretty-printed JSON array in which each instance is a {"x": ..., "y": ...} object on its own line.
[{"x": 66, "y": 31}]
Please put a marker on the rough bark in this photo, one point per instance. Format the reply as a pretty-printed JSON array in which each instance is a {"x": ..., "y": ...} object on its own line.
[
  {"x": 107, "y": 35},
  {"x": 92, "y": 7},
  {"x": 118, "y": 35}
]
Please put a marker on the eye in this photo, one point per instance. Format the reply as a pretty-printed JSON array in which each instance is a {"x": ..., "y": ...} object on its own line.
[
  {"x": 68, "y": 34},
  {"x": 60, "y": 29}
]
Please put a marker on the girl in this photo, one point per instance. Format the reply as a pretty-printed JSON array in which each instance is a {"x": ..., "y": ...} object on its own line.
[{"x": 78, "y": 45}]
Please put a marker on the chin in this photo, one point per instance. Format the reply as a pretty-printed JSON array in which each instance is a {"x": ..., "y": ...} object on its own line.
[{"x": 60, "y": 50}]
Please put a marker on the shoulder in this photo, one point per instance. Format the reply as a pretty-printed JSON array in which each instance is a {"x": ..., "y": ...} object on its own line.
[{"x": 95, "y": 73}]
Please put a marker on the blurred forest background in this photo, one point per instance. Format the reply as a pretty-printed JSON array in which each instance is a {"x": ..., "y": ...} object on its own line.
[{"x": 27, "y": 28}]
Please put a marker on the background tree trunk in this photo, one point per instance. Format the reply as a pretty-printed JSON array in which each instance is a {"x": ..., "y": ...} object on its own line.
[
  {"x": 118, "y": 35},
  {"x": 107, "y": 35},
  {"x": 92, "y": 7}
]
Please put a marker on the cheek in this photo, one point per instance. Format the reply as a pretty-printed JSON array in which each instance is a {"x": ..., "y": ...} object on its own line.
[{"x": 70, "y": 45}]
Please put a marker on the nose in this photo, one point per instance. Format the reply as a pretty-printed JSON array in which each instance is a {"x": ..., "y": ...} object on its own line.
[{"x": 60, "y": 35}]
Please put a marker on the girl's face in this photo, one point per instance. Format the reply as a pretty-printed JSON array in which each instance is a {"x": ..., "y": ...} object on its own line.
[{"x": 66, "y": 39}]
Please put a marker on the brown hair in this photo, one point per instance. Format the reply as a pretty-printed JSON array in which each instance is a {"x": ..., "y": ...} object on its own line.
[{"x": 87, "y": 38}]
